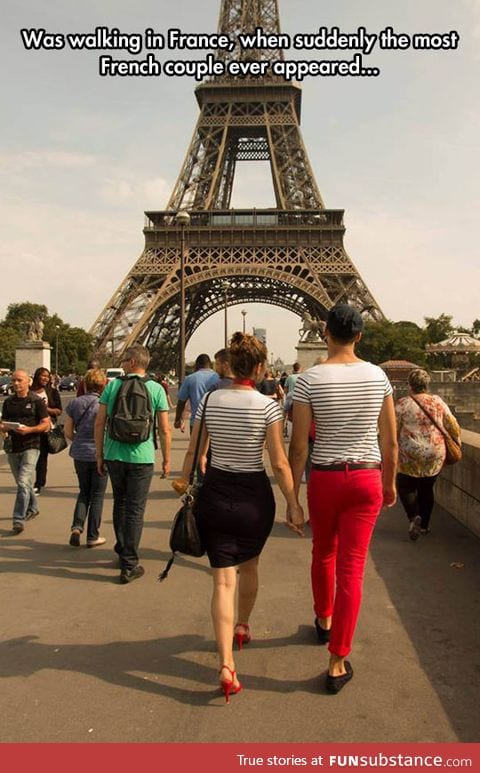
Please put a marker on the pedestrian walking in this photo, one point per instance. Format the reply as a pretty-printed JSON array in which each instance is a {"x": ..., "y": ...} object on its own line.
[
  {"x": 421, "y": 449},
  {"x": 352, "y": 475},
  {"x": 129, "y": 408},
  {"x": 93, "y": 364},
  {"x": 236, "y": 507},
  {"x": 79, "y": 428},
  {"x": 24, "y": 420},
  {"x": 42, "y": 387},
  {"x": 193, "y": 389}
]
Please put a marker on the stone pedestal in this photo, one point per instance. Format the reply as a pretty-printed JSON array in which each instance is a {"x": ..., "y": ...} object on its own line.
[
  {"x": 310, "y": 352},
  {"x": 31, "y": 355}
]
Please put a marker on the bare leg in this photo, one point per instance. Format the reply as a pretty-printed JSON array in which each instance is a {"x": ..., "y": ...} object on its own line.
[
  {"x": 325, "y": 622},
  {"x": 223, "y": 614},
  {"x": 247, "y": 589},
  {"x": 336, "y": 667}
]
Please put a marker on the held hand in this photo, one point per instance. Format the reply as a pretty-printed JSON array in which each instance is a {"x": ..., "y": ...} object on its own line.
[
  {"x": 23, "y": 430},
  {"x": 389, "y": 496},
  {"x": 295, "y": 519},
  {"x": 180, "y": 485}
]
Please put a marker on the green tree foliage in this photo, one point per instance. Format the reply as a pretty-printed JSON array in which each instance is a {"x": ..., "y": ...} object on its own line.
[
  {"x": 386, "y": 340},
  {"x": 438, "y": 328},
  {"x": 9, "y": 340},
  {"x": 476, "y": 328},
  {"x": 74, "y": 343}
]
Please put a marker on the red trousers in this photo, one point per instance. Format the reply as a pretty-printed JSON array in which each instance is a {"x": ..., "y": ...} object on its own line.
[{"x": 343, "y": 508}]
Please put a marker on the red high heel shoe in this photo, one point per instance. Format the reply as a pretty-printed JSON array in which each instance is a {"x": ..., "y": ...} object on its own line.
[
  {"x": 242, "y": 637},
  {"x": 228, "y": 685}
]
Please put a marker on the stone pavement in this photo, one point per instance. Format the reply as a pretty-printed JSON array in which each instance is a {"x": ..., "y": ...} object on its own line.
[{"x": 85, "y": 659}]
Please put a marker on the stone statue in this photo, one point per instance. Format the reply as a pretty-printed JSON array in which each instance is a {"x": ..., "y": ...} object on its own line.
[
  {"x": 313, "y": 328},
  {"x": 34, "y": 330}
]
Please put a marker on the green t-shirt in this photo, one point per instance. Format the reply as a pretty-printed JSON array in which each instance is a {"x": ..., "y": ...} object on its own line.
[{"x": 135, "y": 453}]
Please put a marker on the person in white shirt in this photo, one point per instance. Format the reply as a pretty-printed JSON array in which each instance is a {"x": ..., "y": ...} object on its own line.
[{"x": 352, "y": 476}]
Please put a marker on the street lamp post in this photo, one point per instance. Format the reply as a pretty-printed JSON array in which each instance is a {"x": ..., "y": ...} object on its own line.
[
  {"x": 244, "y": 314},
  {"x": 57, "y": 329},
  {"x": 183, "y": 220},
  {"x": 225, "y": 288}
]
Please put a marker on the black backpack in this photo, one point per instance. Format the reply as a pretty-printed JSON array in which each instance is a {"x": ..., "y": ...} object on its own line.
[{"x": 131, "y": 419}]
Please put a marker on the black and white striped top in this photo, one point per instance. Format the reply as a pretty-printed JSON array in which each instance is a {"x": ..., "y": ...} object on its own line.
[
  {"x": 237, "y": 421},
  {"x": 346, "y": 399}
]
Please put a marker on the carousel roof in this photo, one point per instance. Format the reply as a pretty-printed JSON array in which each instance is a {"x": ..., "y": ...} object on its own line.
[
  {"x": 455, "y": 344},
  {"x": 398, "y": 365}
]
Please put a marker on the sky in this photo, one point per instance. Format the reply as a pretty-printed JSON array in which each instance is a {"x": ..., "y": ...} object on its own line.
[{"x": 82, "y": 157}]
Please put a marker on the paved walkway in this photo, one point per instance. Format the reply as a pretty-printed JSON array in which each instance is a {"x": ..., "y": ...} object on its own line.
[{"x": 83, "y": 658}]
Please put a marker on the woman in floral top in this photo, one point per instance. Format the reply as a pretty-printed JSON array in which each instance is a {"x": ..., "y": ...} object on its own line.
[{"x": 421, "y": 449}]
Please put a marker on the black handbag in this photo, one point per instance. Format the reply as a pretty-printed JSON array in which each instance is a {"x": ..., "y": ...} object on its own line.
[
  {"x": 56, "y": 440},
  {"x": 184, "y": 535},
  {"x": 7, "y": 444}
]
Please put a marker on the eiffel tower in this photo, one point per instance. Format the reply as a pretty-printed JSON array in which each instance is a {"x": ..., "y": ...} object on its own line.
[{"x": 290, "y": 256}]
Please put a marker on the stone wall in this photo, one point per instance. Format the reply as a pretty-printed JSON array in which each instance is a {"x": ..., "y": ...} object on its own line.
[
  {"x": 458, "y": 487},
  {"x": 463, "y": 400}
]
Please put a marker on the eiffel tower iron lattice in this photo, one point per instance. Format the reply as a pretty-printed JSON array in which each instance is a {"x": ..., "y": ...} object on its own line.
[{"x": 290, "y": 256}]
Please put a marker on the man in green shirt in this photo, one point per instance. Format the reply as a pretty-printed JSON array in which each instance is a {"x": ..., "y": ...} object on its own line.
[{"x": 130, "y": 465}]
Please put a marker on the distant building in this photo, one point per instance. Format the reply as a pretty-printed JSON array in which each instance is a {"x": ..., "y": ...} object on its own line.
[
  {"x": 398, "y": 370},
  {"x": 261, "y": 334}
]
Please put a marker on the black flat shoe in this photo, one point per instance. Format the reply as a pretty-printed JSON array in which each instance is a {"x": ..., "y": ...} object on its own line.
[
  {"x": 322, "y": 633},
  {"x": 335, "y": 683}
]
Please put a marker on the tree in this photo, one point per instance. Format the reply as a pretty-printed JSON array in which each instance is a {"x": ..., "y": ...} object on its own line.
[
  {"x": 438, "y": 328},
  {"x": 9, "y": 340},
  {"x": 386, "y": 340},
  {"x": 19, "y": 314},
  {"x": 74, "y": 344}
]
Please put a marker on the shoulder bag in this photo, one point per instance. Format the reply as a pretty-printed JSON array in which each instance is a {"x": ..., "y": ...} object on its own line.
[
  {"x": 56, "y": 440},
  {"x": 452, "y": 447},
  {"x": 184, "y": 535}
]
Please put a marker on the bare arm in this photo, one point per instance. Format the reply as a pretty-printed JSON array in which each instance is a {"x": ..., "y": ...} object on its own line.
[
  {"x": 302, "y": 420},
  {"x": 188, "y": 461},
  {"x": 389, "y": 450},
  {"x": 68, "y": 427},
  {"x": 42, "y": 426},
  {"x": 99, "y": 433},
  {"x": 179, "y": 413},
  {"x": 165, "y": 435},
  {"x": 283, "y": 475}
]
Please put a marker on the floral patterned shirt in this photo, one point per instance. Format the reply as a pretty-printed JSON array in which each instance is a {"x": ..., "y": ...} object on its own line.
[{"x": 421, "y": 451}]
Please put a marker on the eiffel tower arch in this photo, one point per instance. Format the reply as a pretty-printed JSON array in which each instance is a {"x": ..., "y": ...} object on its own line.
[{"x": 290, "y": 256}]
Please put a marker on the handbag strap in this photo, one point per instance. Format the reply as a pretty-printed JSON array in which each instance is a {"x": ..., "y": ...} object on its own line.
[
  {"x": 199, "y": 437},
  {"x": 434, "y": 421}
]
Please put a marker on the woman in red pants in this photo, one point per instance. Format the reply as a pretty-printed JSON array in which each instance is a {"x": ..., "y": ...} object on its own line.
[{"x": 352, "y": 477}]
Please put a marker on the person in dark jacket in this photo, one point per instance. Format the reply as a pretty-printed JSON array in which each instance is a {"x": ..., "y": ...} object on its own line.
[{"x": 42, "y": 387}]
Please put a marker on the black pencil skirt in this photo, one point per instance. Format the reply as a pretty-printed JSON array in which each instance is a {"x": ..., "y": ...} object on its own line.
[{"x": 235, "y": 515}]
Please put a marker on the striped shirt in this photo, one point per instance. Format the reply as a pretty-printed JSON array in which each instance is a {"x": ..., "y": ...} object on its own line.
[
  {"x": 237, "y": 421},
  {"x": 346, "y": 399}
]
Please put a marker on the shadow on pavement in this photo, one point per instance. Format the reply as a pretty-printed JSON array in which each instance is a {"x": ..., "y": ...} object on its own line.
[
  {"x": 439, "y": 606},
  {"x": 145, "y": 666}
]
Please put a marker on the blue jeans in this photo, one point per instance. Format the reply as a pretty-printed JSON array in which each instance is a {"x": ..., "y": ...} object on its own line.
[
  {"x": 90, "y": 499},
  {"x": 130, "y": 486},
  {"x": 22, "y": 465}
]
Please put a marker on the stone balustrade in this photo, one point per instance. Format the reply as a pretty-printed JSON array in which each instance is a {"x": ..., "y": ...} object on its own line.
[{"x": 458, "y": 487}]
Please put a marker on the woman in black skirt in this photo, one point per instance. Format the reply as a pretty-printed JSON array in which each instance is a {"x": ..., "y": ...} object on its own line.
[{"x": 236, "y": 503}]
